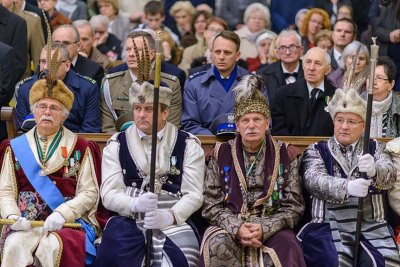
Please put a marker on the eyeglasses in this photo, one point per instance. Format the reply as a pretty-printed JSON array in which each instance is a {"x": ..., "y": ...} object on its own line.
[
  {"x": 317, "y": 22},
  {"x": 380, "y": 79},
  {"x": 350, "y": 123},
  {"x": 291, "y": 48},
  {"x": 44, "y": 61},
  {"x": 66, "y": 43},
  {"x": 44, "y": 107}
]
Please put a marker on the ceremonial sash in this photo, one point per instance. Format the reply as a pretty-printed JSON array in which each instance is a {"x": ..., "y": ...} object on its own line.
[{"x": 47, "y": 189}]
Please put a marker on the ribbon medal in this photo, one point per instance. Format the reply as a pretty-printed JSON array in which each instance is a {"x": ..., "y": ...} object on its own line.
[
  {"x": 74, "y": 163},
  {"x": 173, "y": 169}
]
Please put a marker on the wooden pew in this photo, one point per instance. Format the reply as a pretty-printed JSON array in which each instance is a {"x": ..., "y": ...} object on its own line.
[{"x": 207, "y": 142}]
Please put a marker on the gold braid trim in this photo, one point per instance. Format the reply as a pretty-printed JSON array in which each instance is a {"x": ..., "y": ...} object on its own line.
[
  {"x": 58, "y": 262},
  {"x": 205, "y": 246},
  {"x": 240, "y": 175},
  {"x": 216, "y": 149},
  {"x": 273, "y": 178},
  {"x": 273, "y": 255}
]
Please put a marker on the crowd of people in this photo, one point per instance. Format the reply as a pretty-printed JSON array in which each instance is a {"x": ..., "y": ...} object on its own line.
[{"x": 246, "y": 69}]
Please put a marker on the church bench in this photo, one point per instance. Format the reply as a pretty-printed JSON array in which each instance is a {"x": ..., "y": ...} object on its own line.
[{"x": 207, "y": 142}]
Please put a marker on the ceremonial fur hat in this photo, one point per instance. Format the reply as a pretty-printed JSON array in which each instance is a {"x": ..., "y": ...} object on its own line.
[
  {"x": 144, "y": 94},
  {"x": 348, "y": 100},
  {"x": 249, "y": 97},
  {"x": 59, "y": 91}
]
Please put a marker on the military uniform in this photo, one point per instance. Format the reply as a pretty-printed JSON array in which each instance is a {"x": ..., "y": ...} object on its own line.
[
  {"x": 115, "y": 98},
  {"x": 35, "y": 38},
  {"x": 204, "y": 99},
  {"x": 84, "y": 116}
]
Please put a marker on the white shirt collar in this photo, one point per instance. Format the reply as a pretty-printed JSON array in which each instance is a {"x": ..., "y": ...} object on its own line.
[
  {"x": 320, "y": 86},
  {"x": 286, "y": 71},
  {"x": 73, "y": 62},
  {"x": 133, "y": 76},
  {"x": 142, "y": 135},
  {"x": 337, "y": 55}
]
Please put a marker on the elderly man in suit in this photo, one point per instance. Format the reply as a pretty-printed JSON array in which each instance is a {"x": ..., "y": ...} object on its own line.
[
  {"x": 300, "y": 107},
  {"x": 286, "y": 70},
  {"x": 69, "y": 36}
]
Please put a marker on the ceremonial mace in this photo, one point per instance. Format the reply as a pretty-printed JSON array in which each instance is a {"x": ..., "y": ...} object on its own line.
[
  {"x": 157, "y": 77},
  {"x": 370, "y": 90}
]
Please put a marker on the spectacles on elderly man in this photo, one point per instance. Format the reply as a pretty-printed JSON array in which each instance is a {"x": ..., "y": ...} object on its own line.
[
  {"x": 291, "y": 48},
  {"x": 350, "y": 123},
  {"x": 44, "y": 107}
]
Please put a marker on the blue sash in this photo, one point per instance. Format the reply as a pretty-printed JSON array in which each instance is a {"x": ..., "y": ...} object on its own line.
[{"x": 47, "y": 190}]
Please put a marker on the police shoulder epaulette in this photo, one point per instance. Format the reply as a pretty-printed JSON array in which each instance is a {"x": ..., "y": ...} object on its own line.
[
  {"x": 194, "y": 75},
  {"x": 24, "y": 81},
  {"x": 169, "y": 76},
  {"x": 87, "y": 78},
  {"x": 115, "y": 74}
]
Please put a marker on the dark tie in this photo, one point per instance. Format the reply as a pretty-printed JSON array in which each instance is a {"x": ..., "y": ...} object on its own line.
[
  {"x": 313, "y": 98},
  {"x": 293, "y": 74}
]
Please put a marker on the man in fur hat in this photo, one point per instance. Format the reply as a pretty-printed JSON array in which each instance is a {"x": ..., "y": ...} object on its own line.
[
  {"x": 49, "y": 175},
  {"x": 332, "y": 175},
  {"x": 178, "y": 188},
  {"x": 252, "y": 194}
]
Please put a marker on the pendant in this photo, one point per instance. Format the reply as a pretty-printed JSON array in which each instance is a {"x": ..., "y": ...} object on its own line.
[
  {"x": 252, "y": 159},
  {"x": 42, "y": 173}
]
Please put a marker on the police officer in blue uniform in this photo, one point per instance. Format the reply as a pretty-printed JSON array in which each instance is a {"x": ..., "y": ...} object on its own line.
[
  {"x": 84, "y": 116},
  {"x": 209, "y": 93}
]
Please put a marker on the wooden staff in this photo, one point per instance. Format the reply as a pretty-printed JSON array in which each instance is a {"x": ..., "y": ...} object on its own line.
[
  {"x": 157, "y": 78},
  {"x": 370, "y": 90},
  {"x": 40, "y": 223}
]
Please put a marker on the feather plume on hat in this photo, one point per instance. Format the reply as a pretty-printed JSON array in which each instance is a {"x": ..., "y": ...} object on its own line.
[
  {"x": 249, "y": 97},
  {"x": 142, "y": 90},
  {"x": 347, "y": 99},
  {"x": 49, "y": 86}
]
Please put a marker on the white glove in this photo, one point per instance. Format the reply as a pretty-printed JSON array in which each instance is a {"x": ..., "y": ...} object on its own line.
[
  {"x": 158, "y": 219},
  {"x": 366, "y": 163},
  {"x": 144, "y": 203},
  {"x": 21, "y": 224},
  {"x": 54, "y": 222},
  {"x": 358, "y": 187}
]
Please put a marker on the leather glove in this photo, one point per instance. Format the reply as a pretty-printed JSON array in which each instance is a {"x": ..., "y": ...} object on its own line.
[
  {"x": 144, "y": 203},
  {"x": 54, "y": 222},
  {"x": 366, "y": 163},
  {"x": 158, "y": 219},
  {"x": 358, "y": 187},
  {"x": 21, "y": 224}
]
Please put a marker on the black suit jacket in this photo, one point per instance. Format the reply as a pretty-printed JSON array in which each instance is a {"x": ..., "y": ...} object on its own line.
[
  {"x": 90, "y": 69},
  {"x": 274, "y": 79},
  {"x": 291, "y": 114},
  {"x": 8, "y": 80},
  {"x": 13, "y": 32}
]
